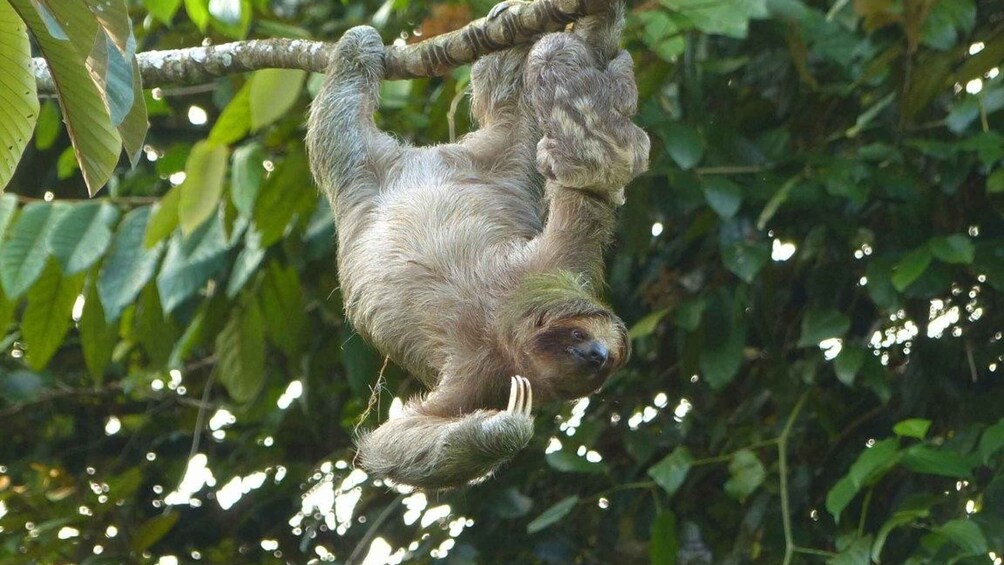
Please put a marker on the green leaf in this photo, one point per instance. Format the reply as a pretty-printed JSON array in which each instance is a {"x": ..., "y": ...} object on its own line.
[
  {"x": 22, "y": 257},
  {"x": 46, "y": 318},
  {"x": 273, "y": 93},
  {"x": 128, "y": 266},
  {"x": 190, "y": 262},
  {"x": 684, "y": 144},
  {"x": 855, "y": 550},
  {"x": 198, "y": 12},
  {"x": 8, "y": 205},
  {"x": 247, "y": 262},
  {"x": 914, "y": 427},
  {"x": 288, "y": 193},
  {"x": 747, "y": 474},
  {"x": 96, "y": 141},
  {"x": 725, "y": 17},
  {"x": 957, "y": 249},
  {"x": 663, "y": 545},
  {"x": 163, "y": 219},
  {"x": 163, "y": 10},
  {"x": 7, "y": 307},
  {"x": 871, "y": 465},
  {"x": 568, "y": 462},
  {"x": 688, "y": 314},
  {"x": 672, "y": 470},
  {"x": 17, "y": 85},
  {"x": 82, "y": 235},
  {"x": 937, "y": 461},
  {"x": 248, "y": 174},
  {"x": 910, "y": 268},
  {"x": 648, "y": 323},
  {"x": 848, "y": 363},
  {"x": 552, "y": 514},
  {"x": 821, "y": 324},
  {"x": 97, "y": 336},
  {"x": 991, "y": 441},
  {"x": 995, "y": 182},
  {"x": 240, "y": 347},
  {"x": 965, "y": 534},
  {"x": 898, "y": 519},
  {"x": 745, "y": 260},
  {"x": 724, "y": 196},
  {"x": 151, "y": 531},
  {"x": 282, "y": 304},
  {"x": 235, "y": 120},
  {"x": 152, "y": 329},
  {"x": 205, "y": 172}
]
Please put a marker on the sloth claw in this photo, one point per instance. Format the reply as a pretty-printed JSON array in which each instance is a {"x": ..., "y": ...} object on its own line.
[{"x": 520, "y": 396}]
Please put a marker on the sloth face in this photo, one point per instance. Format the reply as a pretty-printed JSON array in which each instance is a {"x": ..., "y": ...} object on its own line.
[{"x": 573, "y": 357}]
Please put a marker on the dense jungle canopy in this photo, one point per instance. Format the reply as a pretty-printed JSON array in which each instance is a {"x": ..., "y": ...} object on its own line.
[{"x": 809, "y": 270}]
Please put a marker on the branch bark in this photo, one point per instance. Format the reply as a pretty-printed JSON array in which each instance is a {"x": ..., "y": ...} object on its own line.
[{"x": 432, "y": 57}]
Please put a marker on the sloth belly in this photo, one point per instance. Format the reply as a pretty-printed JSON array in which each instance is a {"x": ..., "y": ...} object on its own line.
[{"x": 424, "y": 273}]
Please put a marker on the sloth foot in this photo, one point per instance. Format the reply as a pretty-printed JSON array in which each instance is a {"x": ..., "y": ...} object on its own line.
[
  {"x": 360, "y": 51},
  {"x": 585, "y": 110},
  {"x": 501, "y": 7}
]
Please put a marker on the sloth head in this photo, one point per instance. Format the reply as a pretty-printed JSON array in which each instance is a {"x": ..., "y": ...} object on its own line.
[{"x": 567, "y": 341}]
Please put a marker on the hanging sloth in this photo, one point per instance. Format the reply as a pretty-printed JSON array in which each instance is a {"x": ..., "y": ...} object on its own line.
[{"x": 475, "y": 265}]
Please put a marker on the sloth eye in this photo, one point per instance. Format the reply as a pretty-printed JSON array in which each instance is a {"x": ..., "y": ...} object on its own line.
[{"x": 577, "y": 335}]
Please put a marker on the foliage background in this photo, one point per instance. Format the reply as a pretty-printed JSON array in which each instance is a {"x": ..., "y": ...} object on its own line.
[{"x": 810, "y": 269}]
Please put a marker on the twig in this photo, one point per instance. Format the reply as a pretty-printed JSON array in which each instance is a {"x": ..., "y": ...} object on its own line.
[
  {"x": 372, "y": 531},
  {"x": 432, "y": 57},
  {"x": 782, "y": 464}
]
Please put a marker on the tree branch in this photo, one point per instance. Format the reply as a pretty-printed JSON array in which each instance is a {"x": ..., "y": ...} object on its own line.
[{"x": 432, "y": 57}]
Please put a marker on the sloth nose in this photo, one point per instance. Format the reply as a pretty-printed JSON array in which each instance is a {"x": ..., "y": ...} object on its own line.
[{"x": 595, "y": 354}]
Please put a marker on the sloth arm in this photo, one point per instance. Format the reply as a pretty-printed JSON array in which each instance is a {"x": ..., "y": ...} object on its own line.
[{"x": 436, "y": 444}]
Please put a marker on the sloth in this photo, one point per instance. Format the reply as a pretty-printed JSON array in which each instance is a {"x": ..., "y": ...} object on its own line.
[{"x": 476, "y": 265}]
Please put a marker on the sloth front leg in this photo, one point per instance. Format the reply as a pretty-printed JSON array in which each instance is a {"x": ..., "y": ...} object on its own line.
[{"x": 433, "y": 450}]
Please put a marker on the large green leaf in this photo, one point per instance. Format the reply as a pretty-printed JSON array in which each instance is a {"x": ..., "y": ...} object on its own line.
[
  {"x": 910, "y": 267},
  {"x": 17, "y": 90},
  {"x": 82, "y": 235},
  {"x": 726, "y": 17},
  {"x": 273, "y": 93},
  {"x": 96, "y": 141},
  {"x": 46, "y": 318},
  {"x": 22, "y": 257},
  {"x": 240, "y": 348},
  {"x": 288, "y": 192},
  {"x": 205, "y": 172},
  {"x": 190, "y": 262},
  {"x": 247, "y": 176},
  {"x": 164, "y": 218},
  {"x": 871, "y": 465},
  {"x": 129, "y": 264},
  {"x": 247, "y": 262},
  {"x": 965, "y": 534}
]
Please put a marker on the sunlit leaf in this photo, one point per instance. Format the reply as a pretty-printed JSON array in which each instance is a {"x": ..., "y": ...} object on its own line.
[
  {"x": 46, "y": 318},
  {"x": 17, "y": 90},
  {"x": 96, "y": 142},
  {"x": 190, "y": 262},
  {"x": 163, "y": 219},
  {"x": 247, "y": 176},
  {"x": 205, "y": 172},
  {"x": 273, "y": 93},
  {"x": 645, "y": 326}
]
